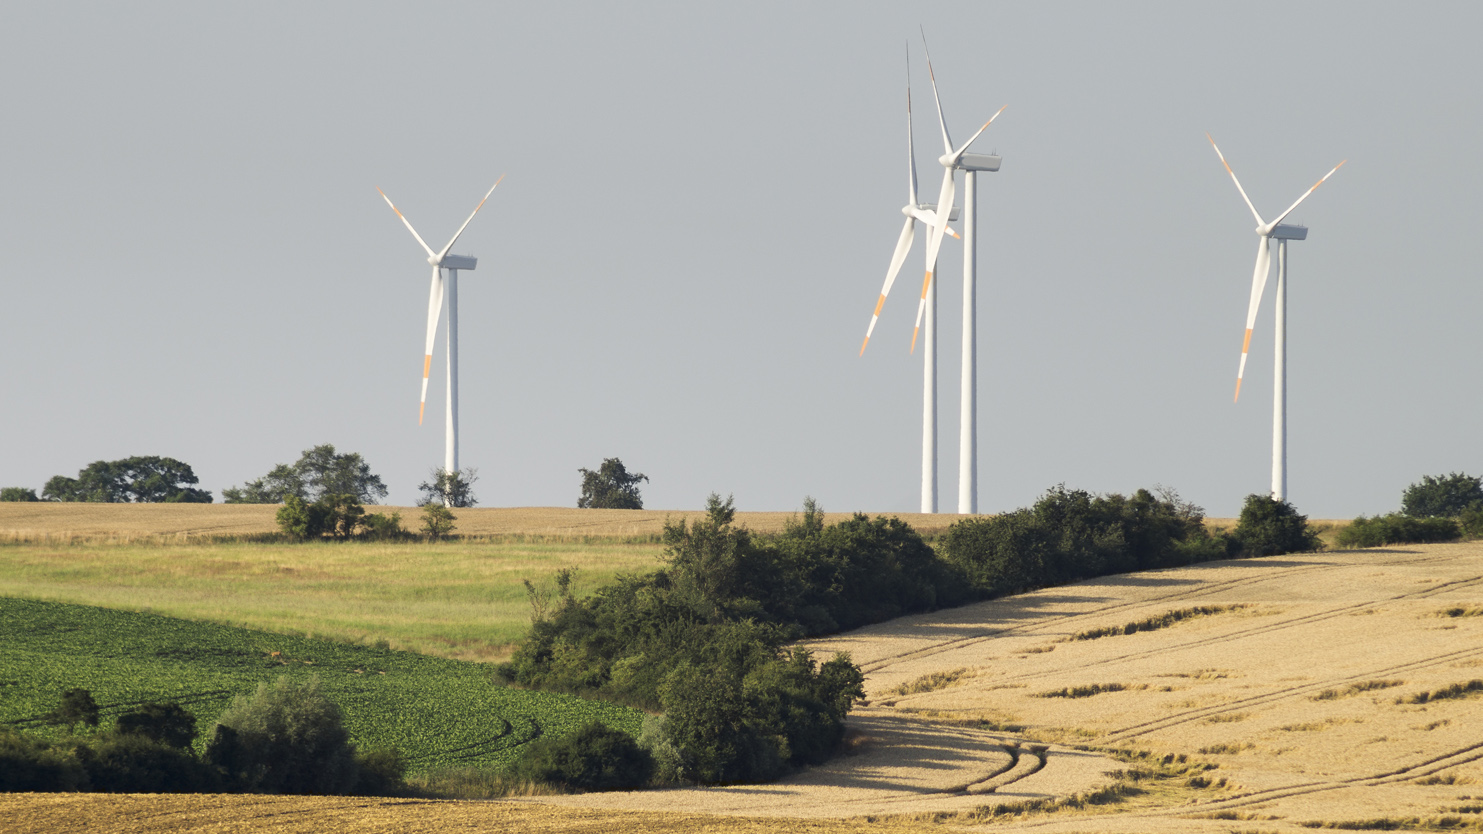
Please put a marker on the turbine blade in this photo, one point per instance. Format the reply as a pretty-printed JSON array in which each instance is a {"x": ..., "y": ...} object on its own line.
[
  {"x": 1258, "y": 283},
  {"x": 471, "y": 216},
  {"x": 911, "y": 157},
  {"x": 934, "y": 243},
  {"x": 947, "y": 143},
  {"x": 903, "y": 246},
  {"x": 406, "y": 222},
  {"x": 929, "y": 219},
  {"x": 434, "y": 309},
  {"x": 1254, "y": 213},
  {"x": 958, "y": 154},
  {"x": 1283, "y": 215}
]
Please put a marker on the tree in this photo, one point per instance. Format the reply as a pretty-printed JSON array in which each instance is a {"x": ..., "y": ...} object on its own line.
[
  {"x": 1269, "y": 527},
  {"x": 437, "y": 521},
  {"x": 332, "y": 515},
  {"x": 1446, "y": 495},
  {"x": 451, "y": 489},
  {"x": 285, "y": 738},
  {"x": 77, "y": 707},
  {"x": 319, "y": 472},
  {"x": 18, "y": 494},
  {"x": 169, "y": 724},
  {"x": 611, "y": 487},
  {"x": 141, "y": 479}
]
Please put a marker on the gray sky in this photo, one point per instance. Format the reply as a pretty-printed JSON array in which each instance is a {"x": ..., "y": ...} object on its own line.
[{"x": 699, "y": 207}]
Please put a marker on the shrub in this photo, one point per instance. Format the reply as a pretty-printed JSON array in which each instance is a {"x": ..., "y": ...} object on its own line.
[
  {"x": 77, "y": 707},
  {"x": 336, "y": 515},
  {"x": 1396, "y": 528},
  {"x": 437, "y": 521},
  {"x": 130, "y": 763},
  {"x": 18, "y": 494},
  {"x": 285, "y": 738},
  {"x": 1471, "y": 521},
  {"x": 30, "y": 764},
  {"x": 381, "y": 527},
  {"x": 611, "y": 487},
  {"x": 169, "y": 724},
  {"x": 380, "y": 773},
  {"x": 595, "y": 758},
  {"x": 1269, "y": 527},
  {"x": 1446, "y": 495}
]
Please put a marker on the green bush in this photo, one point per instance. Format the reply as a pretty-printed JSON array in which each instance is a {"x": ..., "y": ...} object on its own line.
[
  {"x": 595, "y": 758},
  {"x": 1072, "y": 534},
  {"x": 169, "y": 724},
  {"x": 77, "y": 707},
  {"x": 380, "y": 773},
  {"x": 1471, "y": 521},
  {"x": 1396, "y": 528},
  {"x": 31, "y": 764},
  {"x": 18, "y": 494},
  {"x": 1269, "y": 527},
  {"x": 380, "y": 527},
  {"x": 285, "y": 738},
  {"x": 1446, "y": 495},
  {"x": 130, "y": 763},
  {"x": 336, "y": 515},
  {"x": 437, "y": 521}
]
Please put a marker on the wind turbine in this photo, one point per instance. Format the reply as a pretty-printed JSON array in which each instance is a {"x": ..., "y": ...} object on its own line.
[
  {"x": 970, "y": 164},
  {"x": 927, "y": 214},
  {"x": 1282, "y": 233},
  {"x": 452, "y": 263}
]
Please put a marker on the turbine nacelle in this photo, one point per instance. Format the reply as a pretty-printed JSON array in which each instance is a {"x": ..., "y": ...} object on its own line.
[{"x": 458, "y": 262}]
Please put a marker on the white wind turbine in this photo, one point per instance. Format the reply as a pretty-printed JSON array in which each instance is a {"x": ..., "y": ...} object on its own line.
[
  {"x": 1282, "y": 233},
  {"x": 453, "y": 263},
  {"x": 970, "y": 164},
  {"x": 927, "y": 214}
]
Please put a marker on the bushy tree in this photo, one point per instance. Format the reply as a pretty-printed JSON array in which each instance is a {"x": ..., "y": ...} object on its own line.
[
  {"x": 1446, "y": 495},
  {"x": 77, "y": 707},
  {"x": 141, "y": 479},
  {"x": 319, "y": 472},
  {"x": 18, "y": 494},
  {"x": 287, "y": 737},
  {"x": 164, "y": 723},
  {"x": 594, "y": 758},
  {"x": 1397, "y": 528},
  {"x": 1269, "y": 527},
  {"x": 437, "y": 521},
  {"x": 611, "y": 487},
  {"x": 336, "y": 516},
  {"x": 451, "y": 489}
]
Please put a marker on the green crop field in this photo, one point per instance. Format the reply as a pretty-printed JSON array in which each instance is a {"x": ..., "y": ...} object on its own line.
[
  {"x": 460, "y": 599},
  {"x": 439, "y": 712}
]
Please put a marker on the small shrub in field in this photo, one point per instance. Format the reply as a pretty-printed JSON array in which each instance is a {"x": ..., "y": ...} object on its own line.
[
  {"x": 595, "y": 758},
  {"x": 130, "y": 763},
  {"x": 1269, "y": 527},
  {"x": 169, "y": 724},
  {"x": 285, "y": 738},
  {"x": 1471, "y": 521},
  {"x": 380, "y": 772},
  {"x": 380, "y": 527},
  {"x": 437, "y": 521},
  {"x": 333, "y": 515},
  {"x": 1396, "y": 528},
  {"x": 1445, "y": 495}
]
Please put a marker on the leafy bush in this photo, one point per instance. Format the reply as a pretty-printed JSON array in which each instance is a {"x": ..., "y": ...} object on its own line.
[
  {"x": 611, "y": 487},
  {"x": 1269, "y": 527},
  {"x": 380, "y": 772},
  {"x": 1396, "y": 528},
  {"x": 77, "y": 707},
  {"x": 31, "y": 764},
  {"x": 337, "y": 516},
  {"x": 437, "y": 521},
  {"x": 169, "y": 724},
  {"x": 595, "y": 758},
  {"x": 381, "y": 527},
  {"x": 1471, "y": 521},
  {"x": 285, "y": 738},
  {"x": 130, "y": 763},
  {"x": 1447, "y": 495},
  {"x": 1072, "y": 534},
  {"x": 18, "y": 494}
]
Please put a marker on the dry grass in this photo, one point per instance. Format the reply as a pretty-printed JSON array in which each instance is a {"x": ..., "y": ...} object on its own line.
[
  {"x": 933, "y": 681},
  {"x": 47, "y": 522}
]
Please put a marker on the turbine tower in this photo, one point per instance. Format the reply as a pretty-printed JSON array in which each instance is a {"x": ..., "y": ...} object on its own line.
[
  {"x": 440, "y": 287},
  {"x": 927, "y": 214},
  {"x": 1282, "y": 233},
  {"x": 970, "y": 164}
]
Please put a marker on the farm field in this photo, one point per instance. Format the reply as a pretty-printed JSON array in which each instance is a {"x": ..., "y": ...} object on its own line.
[
  {"x": 440, "y": 713},
  {"x": 64, "y": 522}
]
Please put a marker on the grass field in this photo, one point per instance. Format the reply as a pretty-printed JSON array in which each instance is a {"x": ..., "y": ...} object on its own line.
[
  {"x": 455, "y": 599},
  {"x": 440, "y": 713}
]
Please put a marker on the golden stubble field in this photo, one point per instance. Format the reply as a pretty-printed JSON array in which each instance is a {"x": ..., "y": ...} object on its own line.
[{"x": 1281, "y": 694}]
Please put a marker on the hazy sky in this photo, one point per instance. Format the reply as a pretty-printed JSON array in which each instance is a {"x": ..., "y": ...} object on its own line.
[{"x": 699, "y": 207}]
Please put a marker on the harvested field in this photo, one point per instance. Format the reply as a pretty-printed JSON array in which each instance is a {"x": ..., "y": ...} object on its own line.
[{"x": 47, "y": 521}]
